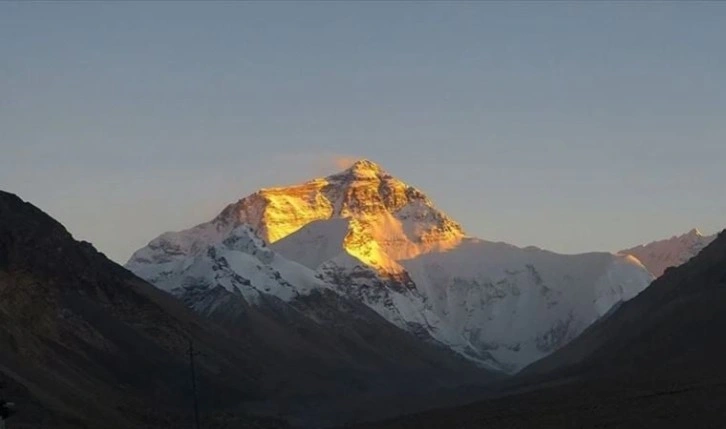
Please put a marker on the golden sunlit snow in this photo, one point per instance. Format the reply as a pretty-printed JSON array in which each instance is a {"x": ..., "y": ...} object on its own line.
[{"x": 389, "y": 221}]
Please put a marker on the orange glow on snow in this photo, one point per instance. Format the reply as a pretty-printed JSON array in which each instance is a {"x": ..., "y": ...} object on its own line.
[{"x": 389, "y": 220}]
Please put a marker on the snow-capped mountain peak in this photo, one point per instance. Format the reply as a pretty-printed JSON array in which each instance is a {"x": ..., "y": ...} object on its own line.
[
  {"x": 369, "y": 236},
  {"x": 388, "y": 219},
  {"x": 695, "y": 232},
  {"x": 362, "y": 169}
]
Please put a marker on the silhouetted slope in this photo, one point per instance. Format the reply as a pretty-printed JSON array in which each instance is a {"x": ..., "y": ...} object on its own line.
[{"x": 91, "y": 344}]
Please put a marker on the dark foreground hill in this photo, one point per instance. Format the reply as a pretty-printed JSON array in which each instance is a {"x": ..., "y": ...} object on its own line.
[
  {"x": 656, "y": 362},
  {"x": 85, "y": 343}
]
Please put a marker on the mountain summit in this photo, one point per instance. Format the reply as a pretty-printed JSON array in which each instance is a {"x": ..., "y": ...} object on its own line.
[
  {"x": 387, "y": 220},
  {"x": 363, "y": 168},
  {"x": 369, "y": 236}
]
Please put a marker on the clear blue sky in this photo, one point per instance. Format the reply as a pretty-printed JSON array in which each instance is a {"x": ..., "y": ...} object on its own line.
[{"x": 570, "y": 126}]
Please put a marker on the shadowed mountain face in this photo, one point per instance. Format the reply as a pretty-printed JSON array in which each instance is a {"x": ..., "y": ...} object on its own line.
[
  {"x": 657, "y": 361},
  {"x": 85, "y": 343}
]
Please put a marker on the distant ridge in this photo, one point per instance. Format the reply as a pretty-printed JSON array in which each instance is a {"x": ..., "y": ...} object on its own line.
[{"x": 660, "y": 255}]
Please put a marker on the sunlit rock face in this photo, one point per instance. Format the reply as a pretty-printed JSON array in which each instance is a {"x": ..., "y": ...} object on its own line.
[{"x": 388, "y": 220}]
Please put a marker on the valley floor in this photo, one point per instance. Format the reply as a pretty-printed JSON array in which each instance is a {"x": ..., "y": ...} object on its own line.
[{"x": 583, "y": 406}]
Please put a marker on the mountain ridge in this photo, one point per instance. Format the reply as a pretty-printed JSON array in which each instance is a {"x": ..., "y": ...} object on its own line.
[
  {"x": 659, "y": 255},
  {"x": 375, "y": 239}
]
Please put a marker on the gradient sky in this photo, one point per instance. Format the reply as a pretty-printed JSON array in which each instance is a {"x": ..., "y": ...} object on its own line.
[{"x": 570, "y": 126}]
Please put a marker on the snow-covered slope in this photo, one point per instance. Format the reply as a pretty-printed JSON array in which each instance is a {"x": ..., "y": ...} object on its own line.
[
  {"x": 671, "y": 252},
  {"x": 518, "y": 305},
  {"x": 202, "y": 259},
  {"x": 371, "y": 237},
  {"x": 495, "y": 303}
]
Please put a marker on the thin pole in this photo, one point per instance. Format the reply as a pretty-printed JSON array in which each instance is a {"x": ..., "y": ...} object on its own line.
[{"x": 194, "y": 384}]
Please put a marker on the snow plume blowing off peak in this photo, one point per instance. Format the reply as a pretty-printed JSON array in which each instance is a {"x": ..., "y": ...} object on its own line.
[{"x": 369, "y": 236}]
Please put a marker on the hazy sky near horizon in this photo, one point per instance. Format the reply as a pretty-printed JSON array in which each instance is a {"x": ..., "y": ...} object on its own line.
[{"x": 573, "y": 126}]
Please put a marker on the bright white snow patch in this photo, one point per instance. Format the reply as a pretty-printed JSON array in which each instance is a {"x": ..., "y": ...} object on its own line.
[{"x": 240, "y": 263}]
